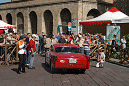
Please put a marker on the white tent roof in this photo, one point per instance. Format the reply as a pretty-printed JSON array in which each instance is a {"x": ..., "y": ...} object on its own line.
[
  {"x": 4, "y": 25},
  {"x": 111, "y": 16}
]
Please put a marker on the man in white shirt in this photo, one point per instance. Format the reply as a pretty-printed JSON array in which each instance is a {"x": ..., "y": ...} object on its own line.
[
  {"x": 123, "y": 42},
  {"x": 21, "y": 54},
  {"x": 54, "y": 40}
]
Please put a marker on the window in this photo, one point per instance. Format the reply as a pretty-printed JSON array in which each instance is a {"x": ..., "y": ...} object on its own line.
[{"x": 67, "y": 50}]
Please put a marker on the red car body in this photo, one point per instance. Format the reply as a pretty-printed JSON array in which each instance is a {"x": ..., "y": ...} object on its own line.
[{"x": 67, "y": 60}]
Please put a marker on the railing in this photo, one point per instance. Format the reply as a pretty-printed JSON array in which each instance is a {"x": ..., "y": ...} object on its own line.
[
  {"x": 94, "y": 50},
  {"x": 8, "y": 54},
  {"x": 117, "y": 52}
]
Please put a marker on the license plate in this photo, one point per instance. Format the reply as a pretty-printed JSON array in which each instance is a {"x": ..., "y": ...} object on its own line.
[{"x": 71, "y": 60}]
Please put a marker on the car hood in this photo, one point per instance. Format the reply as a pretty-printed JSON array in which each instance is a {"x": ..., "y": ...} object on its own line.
[{"x": 70, "y": 55}]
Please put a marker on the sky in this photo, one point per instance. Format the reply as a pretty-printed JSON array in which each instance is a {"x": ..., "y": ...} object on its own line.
[{"x": 2, "y": 1}]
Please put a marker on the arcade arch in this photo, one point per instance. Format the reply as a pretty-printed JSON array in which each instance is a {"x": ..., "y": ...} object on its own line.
[
  {"x": 33, "y": 21},
  {"x": 20, "y": 23},
  {"x": 93, "y": 13},
  {"x": 48, "y": 17},
  {"x": 65, "y": 16},
  {"x": 0, "y": 17},
  {"x": 9, "y": 21}
]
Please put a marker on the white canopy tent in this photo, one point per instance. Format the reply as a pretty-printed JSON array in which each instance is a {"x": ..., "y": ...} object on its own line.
[
  {"x": 109, "y": 17},
  {"x": 4, "y": 25}
]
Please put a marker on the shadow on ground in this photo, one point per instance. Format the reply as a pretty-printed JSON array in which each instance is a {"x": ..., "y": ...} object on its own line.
[
  {"x": 60, "y": 71},
  {"x": 15, "y": 70}
]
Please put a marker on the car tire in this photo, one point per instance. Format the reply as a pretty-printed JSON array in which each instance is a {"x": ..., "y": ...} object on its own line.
[
  {"x": 82, "y": 71},
  {"x": 52, "y": 69}
]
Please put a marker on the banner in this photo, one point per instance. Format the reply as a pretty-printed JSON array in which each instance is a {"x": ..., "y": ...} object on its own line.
[
  {"x": 74, "y": 30},
  {"x": 113, "y": 30}
]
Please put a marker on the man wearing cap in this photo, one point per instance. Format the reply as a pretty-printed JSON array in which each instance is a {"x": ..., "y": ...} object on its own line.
[
  {"x": 32, "y": 51},
  {"x": 22, "y": 54}
]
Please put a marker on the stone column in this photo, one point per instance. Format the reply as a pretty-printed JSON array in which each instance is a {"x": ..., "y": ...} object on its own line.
[
  {"x": 39, "y": 22},
  {"x": 3, "y": 14},
  {"x": 80, "y": 10},
  {"x": 27, "y": 22},
  {"x": 14, "y": 20},
  {"x": 43, "y": 28},
  {"x": 56, "y": 22}
]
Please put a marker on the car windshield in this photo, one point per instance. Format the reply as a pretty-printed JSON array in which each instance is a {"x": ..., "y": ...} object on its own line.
[{"x": 67, "y": 50}]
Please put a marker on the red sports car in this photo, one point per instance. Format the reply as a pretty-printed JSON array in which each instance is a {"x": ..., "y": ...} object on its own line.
[{"x": 66, "y": 56}]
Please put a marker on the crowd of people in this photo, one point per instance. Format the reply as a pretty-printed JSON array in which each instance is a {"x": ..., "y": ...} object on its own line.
[{"x": 31, "y": 44}]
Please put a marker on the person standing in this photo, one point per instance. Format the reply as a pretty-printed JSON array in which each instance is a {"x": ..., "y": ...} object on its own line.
[
  {"x": 86, "y": 46},
  {"x": 27, "y": 43},
  {"x": 32, "y": 50},
  {"x": 123, "y": 42},
  {"x": 69, "y": 41},
  {"x": 72, "y": 38},
  {"x": 2, "y": 42},
  {"x": 48, "y": 43},
  {"x": 37, "y": 43},
  {"x": 22, "y": 54},
  {"x": 42, "y": 42},
  {"x": 113, "y": 43},
  {"x": 80, "y": 43},
  {"x": 62, "y": 39},
  {"x": 54, "y": 40}
]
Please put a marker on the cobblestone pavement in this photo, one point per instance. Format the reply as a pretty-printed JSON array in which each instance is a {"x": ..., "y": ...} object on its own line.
[{"x": 110, "y": 75}]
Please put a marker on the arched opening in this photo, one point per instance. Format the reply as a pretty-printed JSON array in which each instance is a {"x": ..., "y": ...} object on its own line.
[
  {"x": 33, "y": 20},
  {"x": 9, "y": 21},
  {"x": 93, "y": 13},
  {"x": 9, "y": 18},
  {"x": 65, "y": 15},
  {"x": 91, "y": 28},
  {"x": 48, "y": 17},
  {"x": 0, "y": 17},
  {"x": 20, "y": 23}
]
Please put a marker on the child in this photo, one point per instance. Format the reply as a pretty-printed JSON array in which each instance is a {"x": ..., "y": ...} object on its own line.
[{"x": 101, "y": 59}]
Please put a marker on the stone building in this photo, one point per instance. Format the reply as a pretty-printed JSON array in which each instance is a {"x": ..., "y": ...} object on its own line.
[
  {"x": 122, "y": 5},
  {"x": 36, "y": 16}
]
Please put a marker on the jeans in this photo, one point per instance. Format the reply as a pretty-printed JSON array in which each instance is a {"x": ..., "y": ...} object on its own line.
[
  {"x": 82, "y": 50},
  {"x": 27, "y": 56},
  {"x": 37, "y": 48},
  {"x": 31, "y": 60},
  {"x": 41, "y": 48},
  {"x": 87, "y": 52},
  {"x": 22, "y": 61}
]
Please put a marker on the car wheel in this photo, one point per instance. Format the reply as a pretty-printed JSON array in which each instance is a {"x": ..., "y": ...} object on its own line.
[
  {"x": 82, "y": 71},
  {"x": 52, "y": 68}
]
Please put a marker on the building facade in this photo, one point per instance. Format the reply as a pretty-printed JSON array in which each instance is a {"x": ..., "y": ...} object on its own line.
[
  {"x": 36, "y": 16},
  {"x": 122, "y": 5}
]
